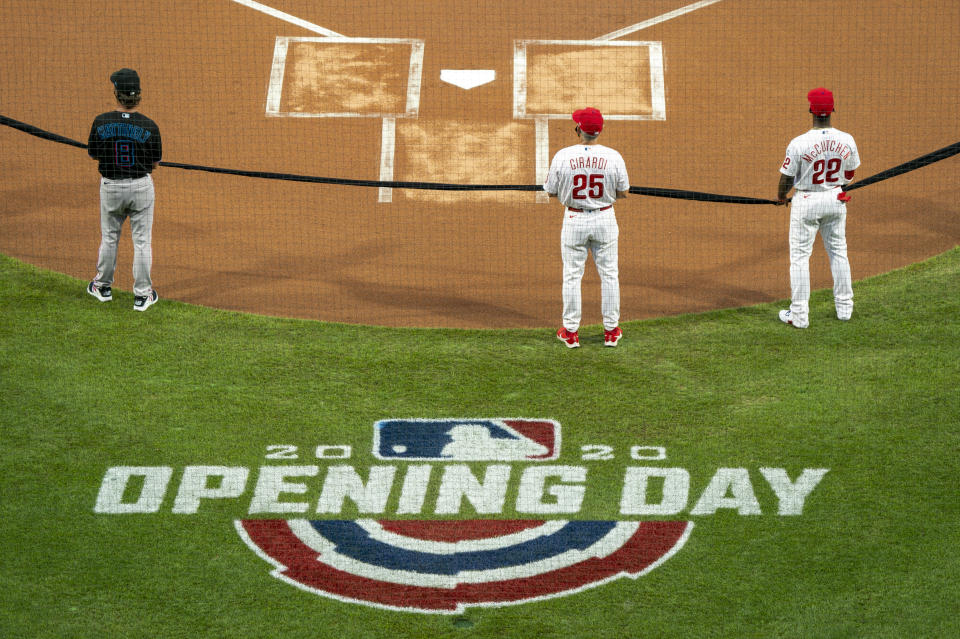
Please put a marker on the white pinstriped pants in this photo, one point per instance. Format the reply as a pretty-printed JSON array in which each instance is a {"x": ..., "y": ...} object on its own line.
[
  {"x": 811, "y": 212},
  {"x": 583, "y": 233}
]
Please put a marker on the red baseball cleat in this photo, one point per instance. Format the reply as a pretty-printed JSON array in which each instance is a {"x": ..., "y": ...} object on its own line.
[
  {"x": 611, "y": 338},
  {"x": 571, "y": 339}
]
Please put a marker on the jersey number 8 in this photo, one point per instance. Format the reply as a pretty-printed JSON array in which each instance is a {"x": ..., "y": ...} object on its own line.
[
  {"x": 123, "y": 153},
  {"x": 580, "y": 184}
]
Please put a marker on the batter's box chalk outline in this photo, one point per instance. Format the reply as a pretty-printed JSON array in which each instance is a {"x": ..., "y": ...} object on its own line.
[
  {"x": 658, "y": 103},
  {"x": 414, "y": 77}
]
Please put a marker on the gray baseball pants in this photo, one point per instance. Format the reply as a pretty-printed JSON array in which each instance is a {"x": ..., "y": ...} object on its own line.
[{"x": 119, "y": 200}]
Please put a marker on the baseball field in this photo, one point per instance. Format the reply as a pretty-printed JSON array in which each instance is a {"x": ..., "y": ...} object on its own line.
[{"x": 271, "y": 449}]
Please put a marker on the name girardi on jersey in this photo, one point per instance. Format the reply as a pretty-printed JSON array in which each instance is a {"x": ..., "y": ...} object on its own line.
[
  {"x": 588, "y": 162},
  {"x": 452, "y": 469}
]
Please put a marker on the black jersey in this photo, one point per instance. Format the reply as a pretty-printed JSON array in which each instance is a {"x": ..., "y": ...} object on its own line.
[{"x": 126, "y": 144}]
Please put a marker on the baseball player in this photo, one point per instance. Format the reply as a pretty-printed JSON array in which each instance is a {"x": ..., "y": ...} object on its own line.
[
  {"x": 818, "y": 164},
  {"x": 128, "y": 148},
  {"x": 588, "y": 178}
]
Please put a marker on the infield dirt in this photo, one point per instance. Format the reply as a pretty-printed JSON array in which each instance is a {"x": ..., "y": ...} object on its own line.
[{"x": 735, "y": 76}]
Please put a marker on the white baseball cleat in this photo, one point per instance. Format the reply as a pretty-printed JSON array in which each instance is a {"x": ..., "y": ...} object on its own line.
[
  {"x": 102, "y": 293},
  {"x": 787, "y": 318},
  {"x": 145, "y": 302}
]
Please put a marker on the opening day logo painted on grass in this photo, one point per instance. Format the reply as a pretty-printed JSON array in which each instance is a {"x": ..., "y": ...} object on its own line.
[{"x": 444, "y": 566}]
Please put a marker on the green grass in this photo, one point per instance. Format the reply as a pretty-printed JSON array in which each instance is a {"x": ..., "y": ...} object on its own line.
[{"x": 86, "y": 386}]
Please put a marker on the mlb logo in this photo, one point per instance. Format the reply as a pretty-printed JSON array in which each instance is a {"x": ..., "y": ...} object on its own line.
[
  {"x": 500, "y": 439},
  {"x": 444, "y": 566}
]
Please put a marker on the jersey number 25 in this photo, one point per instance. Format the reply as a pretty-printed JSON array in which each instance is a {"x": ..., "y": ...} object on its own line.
[{"x": 582, "y": 182}]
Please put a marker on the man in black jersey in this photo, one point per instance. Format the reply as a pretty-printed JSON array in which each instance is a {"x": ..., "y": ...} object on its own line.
[{"x": 127, "y": 146}]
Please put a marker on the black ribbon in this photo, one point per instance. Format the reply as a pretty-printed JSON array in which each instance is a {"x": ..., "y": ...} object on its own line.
[{"x": 699, "y": 196}]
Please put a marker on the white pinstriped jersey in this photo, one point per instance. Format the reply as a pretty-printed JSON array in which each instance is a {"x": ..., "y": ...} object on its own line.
[
  {"x": 587, "y": 176},
  {"x": 819, "y": 159}
]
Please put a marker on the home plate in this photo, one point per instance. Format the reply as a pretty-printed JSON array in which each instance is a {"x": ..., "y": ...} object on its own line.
[{"x": 467, "y": 78}]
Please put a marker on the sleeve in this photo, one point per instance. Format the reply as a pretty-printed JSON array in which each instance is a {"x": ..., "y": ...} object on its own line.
[
  {"x": 157, "y": 146},
  {"x": 93, "y": 139},
  {"x": 791, "y": 163},
  {"x": 623, "y": 181},
  {"x": 553, "y": 178},
  {"x": 854, "y": 160}
]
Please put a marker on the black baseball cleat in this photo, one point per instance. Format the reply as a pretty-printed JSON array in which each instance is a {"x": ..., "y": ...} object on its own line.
[
  {"x": 143, "y": 303},
  {"x": 102, "y": 293}
]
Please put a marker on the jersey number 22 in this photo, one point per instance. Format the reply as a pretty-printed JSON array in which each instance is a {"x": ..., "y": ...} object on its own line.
[{"x": 832, "y": 167}]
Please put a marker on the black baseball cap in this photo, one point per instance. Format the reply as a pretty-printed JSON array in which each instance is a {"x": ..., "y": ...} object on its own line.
[{"x": 126, "y": 81}]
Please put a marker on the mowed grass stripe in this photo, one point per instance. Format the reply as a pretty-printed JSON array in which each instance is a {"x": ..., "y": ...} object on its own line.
[{"x": 87, "y": 386}]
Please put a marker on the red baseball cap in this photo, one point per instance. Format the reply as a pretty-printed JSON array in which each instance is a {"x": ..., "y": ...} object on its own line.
[
  {"x": 821, "y": 101},
  {"x": 589, "y": 120}
]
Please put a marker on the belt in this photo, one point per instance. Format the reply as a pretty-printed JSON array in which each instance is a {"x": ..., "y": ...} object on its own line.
[{"x": 589, "y": 210}]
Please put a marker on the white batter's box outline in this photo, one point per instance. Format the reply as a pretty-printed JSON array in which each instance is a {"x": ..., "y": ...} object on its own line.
[
  {"x": 658, "y": 100},
  {"x": 414, "y": 77}
]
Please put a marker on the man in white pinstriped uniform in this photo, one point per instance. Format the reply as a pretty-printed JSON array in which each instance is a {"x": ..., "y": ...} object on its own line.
[
  {"x": 588, "y": 178},
  {"x": 818, "y": 163}
]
